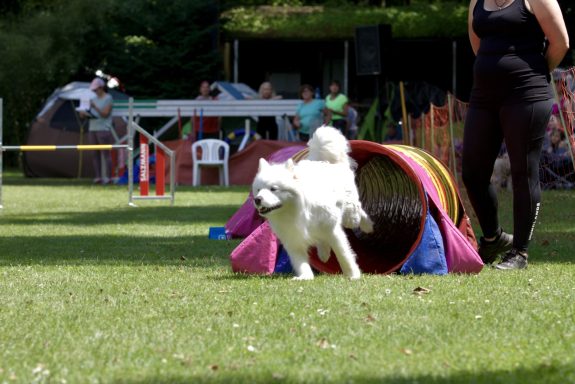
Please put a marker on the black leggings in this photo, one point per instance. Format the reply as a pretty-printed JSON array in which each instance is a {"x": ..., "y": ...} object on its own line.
[{"x": 522, "y": 126}]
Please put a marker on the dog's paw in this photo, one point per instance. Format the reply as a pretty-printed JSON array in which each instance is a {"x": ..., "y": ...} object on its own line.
[
  {"x": 366, "y": 225},
  {"x": 351, "y": 270},
  {"x": 354, "y": 273},
  {"x": 303, "y": 277},
  {"x": 350, "y": 222},
  {"x": 351, "y": 216}
]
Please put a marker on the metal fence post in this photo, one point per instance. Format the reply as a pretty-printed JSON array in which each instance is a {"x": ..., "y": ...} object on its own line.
[
  {"x": 451, "y": 140},
  {"x": 131, "y": 152},
  {"x": 1, "y": 150},
  {"x": 172, "y": 178}
]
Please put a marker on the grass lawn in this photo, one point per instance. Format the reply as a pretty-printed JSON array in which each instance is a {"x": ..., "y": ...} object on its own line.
[{"x": 93, "y": 291}]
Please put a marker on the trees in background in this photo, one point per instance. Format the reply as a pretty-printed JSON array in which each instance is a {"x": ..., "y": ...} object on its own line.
[
  {"x": 157, "y": 49},
  {"x": 163, "y": 49}
]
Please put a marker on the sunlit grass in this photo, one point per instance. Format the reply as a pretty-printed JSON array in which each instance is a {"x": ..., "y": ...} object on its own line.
[{"x": 92, "y": 290}]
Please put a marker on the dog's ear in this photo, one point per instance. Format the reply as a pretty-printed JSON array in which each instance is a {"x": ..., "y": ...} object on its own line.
[{"x": 263, "y": 164}]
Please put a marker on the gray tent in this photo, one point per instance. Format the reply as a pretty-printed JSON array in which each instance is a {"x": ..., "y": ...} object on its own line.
[{"x": 58, "y": 123}]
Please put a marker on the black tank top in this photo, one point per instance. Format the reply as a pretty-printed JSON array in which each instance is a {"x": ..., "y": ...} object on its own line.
[{"x": 510, "y": 66}]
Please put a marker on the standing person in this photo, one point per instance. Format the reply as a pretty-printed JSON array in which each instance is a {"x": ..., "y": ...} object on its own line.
[
  {"x": 210, "y": 125},
  {"x": 336, "y": 107},
  {"x": 517, "y": 43},
  {"x": 99, "y": 130},
  {"x": 267, "y": 126},
  {"x": 309, "y": 114}
]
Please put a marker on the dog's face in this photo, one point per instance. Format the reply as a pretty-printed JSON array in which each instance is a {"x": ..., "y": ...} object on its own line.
[{"x": 273, "y": 187}]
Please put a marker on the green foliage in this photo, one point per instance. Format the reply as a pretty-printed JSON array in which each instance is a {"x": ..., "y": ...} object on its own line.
[
  {"x": 164, "y": 49},
  {"x": 19, "y": 8},
  {"x": 40, "y": 52},
  {"x": 228, "y": 4},
  {"x": 95, "y": 291},
  {"x": 157, "y": 49},
  {"x": 313, "y": 22}
]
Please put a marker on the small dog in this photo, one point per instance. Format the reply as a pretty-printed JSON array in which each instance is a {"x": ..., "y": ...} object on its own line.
[
  {"x": 501, "y": 177},
  {"x": 307, "y": 204}
]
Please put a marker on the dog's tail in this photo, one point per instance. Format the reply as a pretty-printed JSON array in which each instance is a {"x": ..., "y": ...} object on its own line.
[{"x": 329, "y": 144}]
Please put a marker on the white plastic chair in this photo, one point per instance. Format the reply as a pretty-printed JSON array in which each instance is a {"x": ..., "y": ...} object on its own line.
[{"x": 211, "y": 156}]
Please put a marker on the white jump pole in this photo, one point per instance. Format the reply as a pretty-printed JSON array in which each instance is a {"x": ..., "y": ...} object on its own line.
[{"x": 131, "y": 152}]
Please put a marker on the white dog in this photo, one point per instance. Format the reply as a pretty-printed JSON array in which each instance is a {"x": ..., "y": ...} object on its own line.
[
  {"x": 307, "y": 203},
  {"x": 501, "y": 176}
]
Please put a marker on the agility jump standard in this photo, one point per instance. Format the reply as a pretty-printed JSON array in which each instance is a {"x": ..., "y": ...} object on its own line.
[
  {"x": 145, "y": 139},
  {"x": 144, "y": 178}
]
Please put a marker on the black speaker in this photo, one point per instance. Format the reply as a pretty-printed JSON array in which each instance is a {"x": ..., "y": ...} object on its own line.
[{"x": 372, "y": 47}]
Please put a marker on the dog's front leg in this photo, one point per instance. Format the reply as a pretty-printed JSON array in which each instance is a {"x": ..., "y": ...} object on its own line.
[
  {"x": 344, "y": 253},
  {"x": 300, "y": 262}
]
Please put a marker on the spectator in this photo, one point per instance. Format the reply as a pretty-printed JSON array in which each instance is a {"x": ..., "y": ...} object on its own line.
[
  {"x": 309, "y": 114},
  {"x": 556, "y": 164},
  {"x": 558, "y": 144},
  {"x": 100, "y": 127},
  {"x": 516, "y": 43},
  {"x": 206, "y": 127},
  {"x": 267, "y": 127},
  {"x": 336, "y": 107},
  {"x": 552, "y": 125}
]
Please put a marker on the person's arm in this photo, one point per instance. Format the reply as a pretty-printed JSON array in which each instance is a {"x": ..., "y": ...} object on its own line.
[
  {"x": 296, "y": 121},
  {"x": 550, "y": 19},
  {"x": 326, "y": 114},
  {"x": 105, "y": 111},
  {"x": 473, "y": 39},
  {"x": 345, "y": 112}
]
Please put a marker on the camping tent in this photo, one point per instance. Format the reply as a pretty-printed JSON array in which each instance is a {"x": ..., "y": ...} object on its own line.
[
  {"x": 58, "y": 123},
  {"x": 233, "y": 91}
]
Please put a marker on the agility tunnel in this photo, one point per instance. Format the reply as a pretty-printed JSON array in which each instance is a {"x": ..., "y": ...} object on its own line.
[{"x": 420, "y": 225}]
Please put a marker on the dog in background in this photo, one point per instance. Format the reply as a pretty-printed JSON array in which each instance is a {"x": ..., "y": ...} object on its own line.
[
  {"x": 307, "y": 204},
  {"x": 501, "y": 177}
]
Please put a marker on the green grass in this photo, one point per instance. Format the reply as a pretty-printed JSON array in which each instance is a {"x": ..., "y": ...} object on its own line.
[{"x": 94, "y": 291}]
